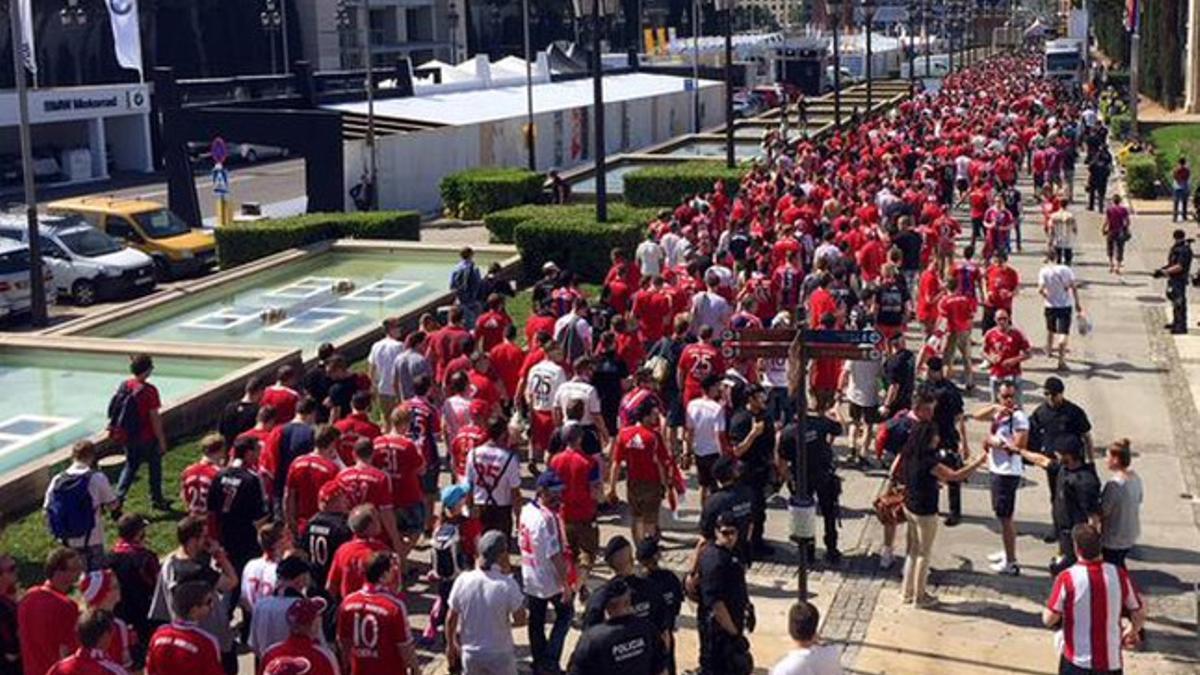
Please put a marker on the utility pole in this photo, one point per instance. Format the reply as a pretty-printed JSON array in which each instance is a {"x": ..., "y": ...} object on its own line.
[
  {"x": 370, "y": 87},
  {"x": 37, "y": 290}
]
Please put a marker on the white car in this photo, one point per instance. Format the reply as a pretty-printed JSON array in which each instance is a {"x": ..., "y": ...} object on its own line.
[
  {"x": 249, "y": 152},
  {"x": 15, "y": 297},
  {"x": 88, "y": 265}
]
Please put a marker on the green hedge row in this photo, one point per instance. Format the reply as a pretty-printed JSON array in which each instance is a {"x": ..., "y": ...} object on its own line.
[
  {"x": 474, "y": 192},
  {"x": 501, "y": 224},
  {"x": 1141, "y": 176},
  {"x": 1121, "y": 124},
  {"x": 669, "y": 184},
  {"x": 240, "y": 243},
  {"x": 569, "y": 236}
]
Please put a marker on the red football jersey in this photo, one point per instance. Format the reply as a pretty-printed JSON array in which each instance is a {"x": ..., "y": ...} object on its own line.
[
  {"x": 366, "y": 485},
  {"x": 194, "y": 483},
  {"x": 346, "y": 570},
  {"x": 305, "y": 477},
  {"x": 372, "y": 628},
  {"x": 283, "y": 400},
  {"x": 468, "y": 437},
  {"x": 400, "y": 458},
  {"x": 182, "y": 647},
  {"x": 697, "y": 361},
  {"x": 87, "y": 662},
  {"x": 354, "y": 427},
  {"x": 302, "y": 650}
]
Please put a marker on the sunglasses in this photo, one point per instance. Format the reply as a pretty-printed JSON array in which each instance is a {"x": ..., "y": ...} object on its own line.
[{"x": 727, "y": 531}]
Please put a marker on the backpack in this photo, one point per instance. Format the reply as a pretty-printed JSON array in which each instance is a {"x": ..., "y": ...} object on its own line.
[
  {"x": 894, "y": 434},
  {"x": 481, "y": 481},
  {"x": 448, "y": 556},
  {"x": 569, "y": 341},
  {"x": 124, "y": 418},
  {"x": 70, "y": 511}
]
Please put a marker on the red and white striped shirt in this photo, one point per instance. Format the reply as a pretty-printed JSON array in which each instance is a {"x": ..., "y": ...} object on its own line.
[{"x": 1090, "y": 596}]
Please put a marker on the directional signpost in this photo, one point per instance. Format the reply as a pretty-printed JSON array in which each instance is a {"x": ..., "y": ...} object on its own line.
[
  {"x": 802, "y": 345},
  {"x": 219, "y": 152}
]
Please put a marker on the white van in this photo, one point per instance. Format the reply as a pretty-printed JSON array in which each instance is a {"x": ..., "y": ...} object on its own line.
[
  {"x": 15, "y": 297},
  {"x": 88, "y": 265}
]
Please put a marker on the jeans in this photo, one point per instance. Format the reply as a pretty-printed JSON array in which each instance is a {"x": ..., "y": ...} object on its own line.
[
  {"x": 920, "y": 533},
  {"x": 1177, "y": 293},
  {"x": 1064, "y": 256},
  {"x": 1096, "y": 192},
  {"x": 548, "y": 653},
  {"x": 1116, "y": 556},
  {"x": 1179, "y": 204},
  {"x": 951, "y": 458},
  {"x": 135, "y": 454}
]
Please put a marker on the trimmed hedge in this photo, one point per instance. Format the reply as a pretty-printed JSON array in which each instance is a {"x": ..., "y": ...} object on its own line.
[
  {"x": 474, "y": 192},
  {"x": 1141, "y": 176},
  {"x": 669, "y": 184},
  {"x": 1121, "y": 124},
  {"x": 240, "y": 243},
  {"x": 570, "y": 236},
  {"x": 501, "y": 224}
]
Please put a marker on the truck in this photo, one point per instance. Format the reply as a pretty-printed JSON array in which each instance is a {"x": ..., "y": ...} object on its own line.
[{"x": 1065, "y": 60}]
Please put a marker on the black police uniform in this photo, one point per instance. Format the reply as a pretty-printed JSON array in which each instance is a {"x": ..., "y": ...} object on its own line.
[
  {"x": 823, "y": 480},
  {"x": 948, "y": 407},
  {"x": 756, "y": 466},
  {"x": 670, "y": 588},
  {"x": 645, "y": 597},
  {"x": 722, "y": 579},
  {"x": 627, "y": 645},
  {"x": 737, "y": 500},
  {"x": 1180, "y": 254}
]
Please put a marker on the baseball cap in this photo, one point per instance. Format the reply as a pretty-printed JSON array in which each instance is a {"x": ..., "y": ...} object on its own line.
[
  {"x": 292, "y": 567},
  {"x": 329, "y": 492},
  {"x": 453, "y": 495},
  {"x": 96, "y": 586},
  {"x": 304, "y": 611},
  {"x": 615, "y": 546},
  {"x": 492, "y": 545},
  {"x": 549, "y": 266},
  {"x": 549, "y": 480},
  {"x": 1054, "y": 386},
  {"x": 647, "y": 548},
  {"x": 935, "y": 363}
]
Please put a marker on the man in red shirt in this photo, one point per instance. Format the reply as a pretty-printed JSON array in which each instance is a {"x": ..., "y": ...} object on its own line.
[
  {"x": 96, "y": 632},
  {"x": 447, "y": 343},
  {"x": 542, "y": 319},
  {"x": 182, "y": 646},
  {"x": 142, "y": 435},
  {"x": 696, "y": 362},
  {"x": 821, "y": 302},
  {"x": 46, "y": 611},
  {"x": 372, "y": 623},
  {"x": 307, "y": 475},
  {"x": 786, "y": 280},
  {"x": 196, "y": 479},
  {"x": 356, "y": 426},
  {"x": 1001, "y": 283},
  {"x": 485, "y": 386},
  {"x": 282, "y": 396},
  {"x": 580, "y": 474},
  {"x": 367, "y": 485},
  {"x": 652, "y": 311},
  {"x": 648, "y": 478},
  {"x": 979, "y": 198},
  {"x": 958, "y": 310},
  {"x": 1005, "y": 348},
  {"x": 349, "y": 561},
  {"x": 469, "y": 436},
  {"x": 492, "y": 324},
  {"x": 507, "y": 358},
  {"x": 302, "y": 648},
  {"x": 400, "y": 458}
]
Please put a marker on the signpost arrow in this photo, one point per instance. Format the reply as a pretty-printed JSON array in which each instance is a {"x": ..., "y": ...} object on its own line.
[
  {"x": 843, "y": 337},
  {"x": 785, "y": 335}
]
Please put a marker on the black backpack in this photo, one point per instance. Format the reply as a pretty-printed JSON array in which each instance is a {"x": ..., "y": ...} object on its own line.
[{"x": 124, "y": 420}]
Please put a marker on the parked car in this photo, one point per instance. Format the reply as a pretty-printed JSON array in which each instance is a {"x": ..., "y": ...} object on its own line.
[
  {"x": 746, "y": 104},
  {"x": 250, "y": 152},
  {"x": 88, "y": 265},
  {"x": 176, "y": 247},
  {"x": 15, "y": 297},
  {"x": 769, "y": 95},
  {"x": 847, "y": 78}
]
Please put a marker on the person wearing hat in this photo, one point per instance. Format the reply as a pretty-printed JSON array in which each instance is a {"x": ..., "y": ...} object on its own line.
[
  {"x": 623, "y": 642},
  {"x": 1076, "y": 494},
  {"x": 302, "y": 651},
  {"x": 101, "y": 591},
  {"x": 546, "y": 572},
  {"x": 731, "y": 496},
  {"x": 484, "y": 605},
  {"x": 326, "y": 531},
  {"x": 1056, "y": 418},
  {"x": 752, "y": 437},
  {"x": 647, "y": 600},
  {"x": 546, "y": 285},
  {"x": 725, "y": 612},
  {"x": 950, "y": 418},
  {"x": 669, "y": 588},
  {"x": 293, "y": 578},
  {"x": 136, "y": 567},
  {"x": 455, "y": 539},
  {"x": 1176, "y": 271}
]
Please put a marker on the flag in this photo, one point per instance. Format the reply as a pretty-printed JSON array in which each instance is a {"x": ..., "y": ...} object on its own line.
[
  {"x": 1131, "y": 15},
  {"x": 127, "y": 37},
  {"x": 28, "y": 55}
]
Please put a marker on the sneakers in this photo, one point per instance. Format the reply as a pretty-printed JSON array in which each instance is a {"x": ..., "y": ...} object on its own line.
[
  {"x": 996, "y": 557},
  {"x": 926, "y": 601},
  {"x": 886, "y": 558},
  {"x": 952, "y": 520},
  {"x": 1005, "y": 567}
]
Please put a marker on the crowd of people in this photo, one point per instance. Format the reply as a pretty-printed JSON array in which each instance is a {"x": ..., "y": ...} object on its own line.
[{"x": 328, "y": 496}]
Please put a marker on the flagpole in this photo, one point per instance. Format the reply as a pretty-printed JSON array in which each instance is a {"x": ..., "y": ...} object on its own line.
[{"x": 37, "y": 293}]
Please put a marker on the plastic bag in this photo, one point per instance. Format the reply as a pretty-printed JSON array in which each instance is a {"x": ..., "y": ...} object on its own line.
[{"x": 1083, "y": 323}]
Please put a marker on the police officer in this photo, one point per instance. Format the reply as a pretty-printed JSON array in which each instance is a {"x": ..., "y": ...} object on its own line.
[
  {"x": 1177, "y": 269},
  {"x": 731, "y": 496},
  {"x": 725, "y": 613},
  {"x": 646, "y": 598},
  {"x": 952, "y": 432},
  {"x": 822, "y": 480},
  {"x": 752, "y": 435},
  {"x": 622, "y": 643},
  {"x": 668, "y": 586}
]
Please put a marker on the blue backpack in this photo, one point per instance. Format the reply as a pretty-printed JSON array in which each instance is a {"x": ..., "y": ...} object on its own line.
[{"x": 70, "y": 510}]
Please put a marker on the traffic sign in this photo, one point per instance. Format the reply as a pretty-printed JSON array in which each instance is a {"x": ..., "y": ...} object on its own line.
[
  {"x": 218, "y": 150},
  {"x": 784, "y": 335},
  {"x": 220, "y": 180},
  {"x": 842, "y": 337},
  {"x": 755, "y": 350},
  {"x": 845, "y": 352}
]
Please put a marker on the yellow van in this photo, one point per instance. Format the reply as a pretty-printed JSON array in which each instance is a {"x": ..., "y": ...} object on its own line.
[{"x": 177, "y": 248}]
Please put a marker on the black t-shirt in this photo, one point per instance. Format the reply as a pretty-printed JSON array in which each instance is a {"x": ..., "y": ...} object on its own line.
[
  {"x": 137, "y": 572},
  {"x": 607, "y": 376},
  {"x": 1047, "y": 424},
  {"x": 722, "y": 579},
  {"x": 1077, "y": 494},
  {"x": 10, "y": 645},
  {"x": 670, "y": 349},
  {"x": 316, "y": 384},
  {"x": 756, "y": 463},
  {"x": 322, "y": 536},
  {"x": 909, "y": 243},
  {"x": 922, "y": 486},
  {"x": 628, "y": 645},
  {"x": 900, "y": 370},
  {"x": 892, "y": 299},
  {"x": 671, "y": 590},
  {"x": 341, "y": 391},
  {"x": 947, "y": 408},
  {"x": 236, "y": 498},
  {"x": 646, "y": 599},
  {"x": 735, "y": 499},
  {"x": 235, "y": 418},
  {"x": 818, "y": 450},
  {"x": 295, "y": 439}
]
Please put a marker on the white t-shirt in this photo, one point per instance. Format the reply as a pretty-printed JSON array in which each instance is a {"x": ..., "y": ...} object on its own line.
[
  {"x": 1057, "y": 280},
  {"x": 676, "y": 248},
  {"x": 710, "y": 309},
  {"x": 862, "y": 385},
  {"x": 650, "y": 258},
  {"x": 542, "y": 384},
  {"x": 383, "y": 364},
  {"x": 774, "y": 373},
  {"x": 540, "y": 541},
  {"x": 485, "y": 601},
  {"x": 578, "y": 390},
  {"x": 258, "y": 580},
  {"x": 490, "y": 468},
  {"x": 818, "y": 660},
  {"x": 706, "y": 419},
  {"x": 1063, "y": 229},
  {"x": 582, "y": 328},
  {"x": 1005, "y": 428},
  {"x": 456, "y": 413},
  {"x": 101, "y": 492}
]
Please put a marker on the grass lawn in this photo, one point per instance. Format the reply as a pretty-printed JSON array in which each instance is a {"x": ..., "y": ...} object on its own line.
[
  {"x": 1176, "y": 140},
  {"x": 27, "y": 539}
]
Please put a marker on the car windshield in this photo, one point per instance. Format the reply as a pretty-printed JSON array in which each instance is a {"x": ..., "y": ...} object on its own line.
[
  {"x": 14, "y": 262},
  {"x": 161, "y": 224},
  {"x": 89, "y": 242}
]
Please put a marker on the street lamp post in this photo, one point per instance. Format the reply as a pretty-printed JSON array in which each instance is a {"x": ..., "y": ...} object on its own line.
[
  {"x": 452, "y": 19},
  {"x": 695, "y": 66},
  {"x": 913, "y": 8},
  {"x": 74, "y": 19},
  {"x": 600, "y": 9},
  {"x": 37, "y": 290},
  {"x": 529, "y": 136},
  {"x": 868, "y": 7},
  {"x": 835, "y": 11},
  {"x": 926, "y": 10},
  {"x": 342, "y": 17},
  {"x": 725, "y": 8},
  {"x": 271, "y": 21},
  {"x": 369, "y": 86}
]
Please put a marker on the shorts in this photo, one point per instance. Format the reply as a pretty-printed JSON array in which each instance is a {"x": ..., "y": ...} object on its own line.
[
  {"x": 1004, "y": 495},
  {"x": 824, "y": 398},
  {"x": 541, "y": 427},
  {"x": 591, "y": 441},
  {"x": 864, "y": 413},
  {"x": 704, "y": 467},
  {"x": 499, "y": 518},
  {"x": 676, "y": 417},
  {"x": 584, "y": 540},
  {"x": 429, "y": 480},
  {"x": 1058, "y": 320},
  {"x": 411, "y": 518},
  {"x": 645, "y": 498},
  {"x": 962, "y": 184},
  {"x": 957, "y": 342}
]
